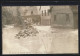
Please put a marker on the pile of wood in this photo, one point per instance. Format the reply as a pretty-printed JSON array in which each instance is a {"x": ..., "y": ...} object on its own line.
[{"x": 30, "y": 31}]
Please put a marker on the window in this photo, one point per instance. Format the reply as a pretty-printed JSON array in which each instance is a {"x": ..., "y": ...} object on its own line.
[
  {"x": 31, "y": 12},
  {"x": 67, "y": 18},
  {"x": 54, "y": 17},
  {"x": 42, "y": 13},
  {"x": 45, "y": 12},
  {"x": 48, "y": 12}
]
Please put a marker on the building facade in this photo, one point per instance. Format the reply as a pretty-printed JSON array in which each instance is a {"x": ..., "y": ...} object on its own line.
[
  {"x": 45, "y": 15},
  {"x": 64, "y": 16}
]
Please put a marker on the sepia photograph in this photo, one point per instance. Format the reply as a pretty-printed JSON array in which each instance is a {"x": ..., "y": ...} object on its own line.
[{"x": 47, "y": 29}]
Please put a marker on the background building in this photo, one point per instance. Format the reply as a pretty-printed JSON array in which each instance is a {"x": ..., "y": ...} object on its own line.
[
  {"x": 45, "y": 15},
  {"x": 56, "y": 16},
  {"x": 30, "y": 12},
  {"x": 64, "y": 16}
]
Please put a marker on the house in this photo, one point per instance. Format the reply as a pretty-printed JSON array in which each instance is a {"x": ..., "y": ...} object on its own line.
[
  {"x": 64, "y": 16},
  {"x": 30, "y": 12},
  {"x": 45, "y": 18},
  {"x": 45, "y": 15}
]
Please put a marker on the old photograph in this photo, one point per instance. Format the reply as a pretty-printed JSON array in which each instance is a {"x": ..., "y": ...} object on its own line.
[{"x": 47, "y": 29}]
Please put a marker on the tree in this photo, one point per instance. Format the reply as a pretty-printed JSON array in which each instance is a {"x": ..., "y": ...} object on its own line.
[
  {"x": 20, "y": 19},
  {"x": 7, "y": 17}
]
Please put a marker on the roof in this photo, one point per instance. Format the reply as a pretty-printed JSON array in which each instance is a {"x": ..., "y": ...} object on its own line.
[{"x": 74, "y": 8}]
